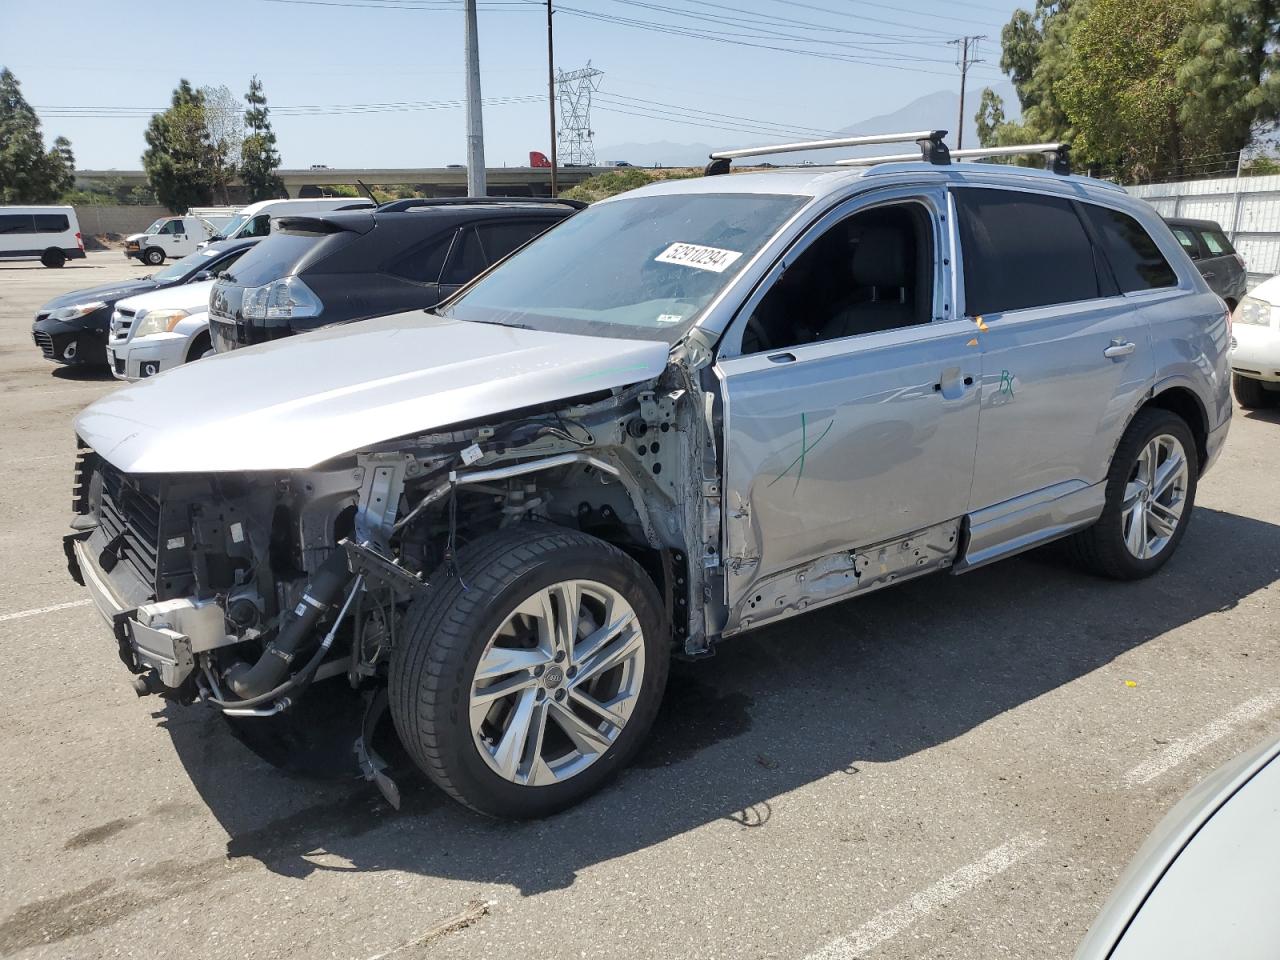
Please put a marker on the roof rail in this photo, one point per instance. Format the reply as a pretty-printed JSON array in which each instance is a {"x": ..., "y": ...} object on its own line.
[
  {"x": 410, "y": 202},
  {"x": 1057, "y": 156},
  {"x": 932, "y": 148}
]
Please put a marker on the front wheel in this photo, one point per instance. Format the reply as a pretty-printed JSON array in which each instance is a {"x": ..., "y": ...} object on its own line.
[
  {"x": 527, "y": 679},
  {"x": 154, "y": 256},
  {"x": 1151, "y": 490},
  {"x": 1250, "y": 393}
]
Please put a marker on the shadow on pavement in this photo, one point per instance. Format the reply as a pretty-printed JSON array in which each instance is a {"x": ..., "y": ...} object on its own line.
[
  {"x": 83, "y": 373},
  {"x": 874, "y": 679}
]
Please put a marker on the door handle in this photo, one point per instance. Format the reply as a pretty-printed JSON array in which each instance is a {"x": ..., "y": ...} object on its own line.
[
  {"x": 781, "y": 357},
  {"x": 1208, "y": 274},
  {"x": 1118, "y": 349}
]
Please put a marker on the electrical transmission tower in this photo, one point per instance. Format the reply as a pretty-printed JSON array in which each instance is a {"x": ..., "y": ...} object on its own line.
[
  {"x": 574, "y": 89},
  {"x": 966, "y": 57}
]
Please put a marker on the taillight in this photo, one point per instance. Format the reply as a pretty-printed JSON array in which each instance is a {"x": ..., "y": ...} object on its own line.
[
  {"x": 1239, "y": 260},
  {"x": 79, "y": 240}
]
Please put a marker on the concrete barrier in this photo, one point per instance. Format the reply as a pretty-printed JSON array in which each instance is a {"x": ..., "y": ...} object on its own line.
[{"x": 123, "y": 219}]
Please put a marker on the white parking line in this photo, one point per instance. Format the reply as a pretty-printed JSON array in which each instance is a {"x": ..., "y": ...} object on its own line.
[
  {"x": 23, "y": 614},
  {"x": 889, "y": 923},
  {"x": 1180, "y": 751}
]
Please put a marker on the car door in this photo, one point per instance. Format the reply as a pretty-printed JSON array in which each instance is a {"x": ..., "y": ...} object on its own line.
[
  {"x": 1066, "y": 357},
  {"x": 1221, "y": 267},
  {"x": 850, "y": 441}
]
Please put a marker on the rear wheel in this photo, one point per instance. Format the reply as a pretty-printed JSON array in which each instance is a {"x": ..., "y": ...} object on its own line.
[
  {"x": 524, "y": 682},
  {"x": 53, "y": 257},
  {"x": 154, "y": 256},
  {"x": 1250, "y": 393},
  {"x": 1151, "y": 490}
]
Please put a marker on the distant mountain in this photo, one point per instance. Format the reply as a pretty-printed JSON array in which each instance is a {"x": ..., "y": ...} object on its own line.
[{"x": 933, "y": 111}]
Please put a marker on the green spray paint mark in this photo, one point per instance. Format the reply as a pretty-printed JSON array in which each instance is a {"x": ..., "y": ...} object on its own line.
[
  {"x": 604, "y": 373},
  {"x": 805, "y": 448},
  {"x": 1006, "y": 382}
]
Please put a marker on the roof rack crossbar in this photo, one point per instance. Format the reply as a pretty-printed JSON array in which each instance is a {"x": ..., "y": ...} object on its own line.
[
  {"x": 932, "y": 148},
  {"x": 409, "y": 203},
  {"x": 1057, "y": 156}
]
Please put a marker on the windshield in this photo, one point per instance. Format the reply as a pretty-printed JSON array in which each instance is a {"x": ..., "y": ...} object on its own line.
[
  {"x": 640, "y": 268},
  {"x": 228, "y": 229},
  {"x": 189, "y": 264},
  {"x": 155, "y": 227}
]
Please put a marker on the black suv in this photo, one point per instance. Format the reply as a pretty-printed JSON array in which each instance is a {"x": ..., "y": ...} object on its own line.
[
  {"x": 313, "y": 271},
  {"x": 73, "y": 328},
  {"x": 1208, "y": 247}
]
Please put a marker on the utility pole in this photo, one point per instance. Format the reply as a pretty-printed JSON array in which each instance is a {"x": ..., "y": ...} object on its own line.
[
  {"x": 476, "y": 186},
  {"x": 551, "y": 98},
  {"x": 964, "y": 61}
]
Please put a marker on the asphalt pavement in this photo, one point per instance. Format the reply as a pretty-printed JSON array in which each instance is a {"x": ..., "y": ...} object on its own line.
[{"x": 956, "y": 767}]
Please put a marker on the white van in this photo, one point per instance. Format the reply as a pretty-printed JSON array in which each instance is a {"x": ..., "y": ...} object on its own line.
[
  {"x": 169, "y": 238},
  {"x": 255, "y": 219},
  {"x": 48, "y": 234}
]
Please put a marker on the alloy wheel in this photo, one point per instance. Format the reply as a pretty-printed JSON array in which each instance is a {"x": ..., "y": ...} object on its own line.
[
  {"x": 557, "y": 682},
  {"x": 1155, "y": 497}
]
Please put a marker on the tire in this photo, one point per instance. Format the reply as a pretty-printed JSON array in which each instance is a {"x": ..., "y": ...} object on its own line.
[
  {"x": 153, "y": 256},
  {"x": 448, "y": 631},
  {"x": 1250, "y": 393},
  {"x": 53, "y": 257},
  {"x": 1103, "y": 548},
  {"x": 200, "y": 345}
]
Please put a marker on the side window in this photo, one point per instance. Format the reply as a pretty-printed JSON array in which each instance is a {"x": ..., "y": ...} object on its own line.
[
  {"x": 259, "y": 226},
  {"x": 424, "y": 263},
  {"x": 1023, "y": 250},
  {"x": 170, "y": 228},
  {"x": 223, "y": 265},
  {"x": 1135, "y": 259},
  {"x": 870, "y": 272},
  {"x": 51, "y": 223},
  {"x": 467, "y": 258},
  {"x": 1187, "y": 241},
  {"x": 1216, "y": 243},
  {"x": 17, "y": 223},
  {"x": 499, "y": 239}
]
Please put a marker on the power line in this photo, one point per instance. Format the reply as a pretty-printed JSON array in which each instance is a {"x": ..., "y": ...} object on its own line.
[{"x": 336, "y": 109}]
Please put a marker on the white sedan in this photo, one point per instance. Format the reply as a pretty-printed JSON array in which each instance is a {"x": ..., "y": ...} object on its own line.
[
  {"x": 1255, "y": 346},
  {"x": 160, "y": 330}
]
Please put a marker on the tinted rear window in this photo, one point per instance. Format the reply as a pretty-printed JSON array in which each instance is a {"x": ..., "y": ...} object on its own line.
[
  {"x": 51, "y": 223},
  {"x": 1022, "y": 250},
  {"x": 1216, "y": 243},
  {"x": 1135, "y": 259},
  {"x": 1187, "y": 241},
  {"x": 281, "y": 255}
]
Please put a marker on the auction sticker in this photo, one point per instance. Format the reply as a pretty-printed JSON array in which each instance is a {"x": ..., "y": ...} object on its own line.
[{"x": 701, "y": 258}]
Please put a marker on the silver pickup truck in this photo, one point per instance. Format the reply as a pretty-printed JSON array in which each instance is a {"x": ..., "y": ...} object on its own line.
[{"x": 691, "y": 410}]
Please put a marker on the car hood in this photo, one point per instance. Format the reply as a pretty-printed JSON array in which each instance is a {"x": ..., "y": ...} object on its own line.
[
  {"x": 191, "y": 297},
  {"x": 296, "y": 402},
  {"x": 107, "y": 292}
]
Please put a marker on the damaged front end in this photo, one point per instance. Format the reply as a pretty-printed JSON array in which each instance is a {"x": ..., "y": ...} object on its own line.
[{"x": 242, "y": 590}]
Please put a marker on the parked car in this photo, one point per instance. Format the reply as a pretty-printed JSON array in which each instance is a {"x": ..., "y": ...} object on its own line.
[
  {"x": 1255, "y": 346},
  {"x": 160, "y": 330},
  {"x": 169, "y": 238},
  {"x": 255, "y": 219},
  {"x": 73, "y": 328},
  {"x": 686, "y": 412},
  {"x": 327, "y": 268},
  {"x": 48, "y": 234},
  {"x": 1206, "y": 883},
  {"x": 1214, "y": 256}
]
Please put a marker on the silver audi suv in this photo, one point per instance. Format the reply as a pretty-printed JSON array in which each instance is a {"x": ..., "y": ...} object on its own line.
[{"x": 691, "y": 410}]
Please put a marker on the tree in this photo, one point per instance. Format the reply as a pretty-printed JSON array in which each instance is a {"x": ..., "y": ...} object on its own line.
[
  {"x": 226, "y": 133},
  {"x": 29, "y": 174},
  {"x": 180, "y": 159},
  {"x": 259, "y": 158},
  {"x": 1231, "y": 77},
  {"x": 1119, "y": 89},
  {"x": 990, "y": 117}
]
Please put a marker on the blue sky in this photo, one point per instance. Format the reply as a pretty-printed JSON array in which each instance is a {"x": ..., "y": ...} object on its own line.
[{"x": 856, "y": 59}]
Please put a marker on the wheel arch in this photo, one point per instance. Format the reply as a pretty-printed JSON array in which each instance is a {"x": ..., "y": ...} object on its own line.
[
  {"x": 199, "y": 343},
  {"x": 1183, "y": 402}
]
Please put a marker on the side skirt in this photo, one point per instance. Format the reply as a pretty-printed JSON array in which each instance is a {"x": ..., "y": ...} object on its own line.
[{"x": 1030, "y": 520}]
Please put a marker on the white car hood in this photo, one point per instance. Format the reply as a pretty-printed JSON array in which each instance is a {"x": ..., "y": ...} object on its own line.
[
  {"x": 296, "y": 402},
  {"x": 192, "y": 297}
]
